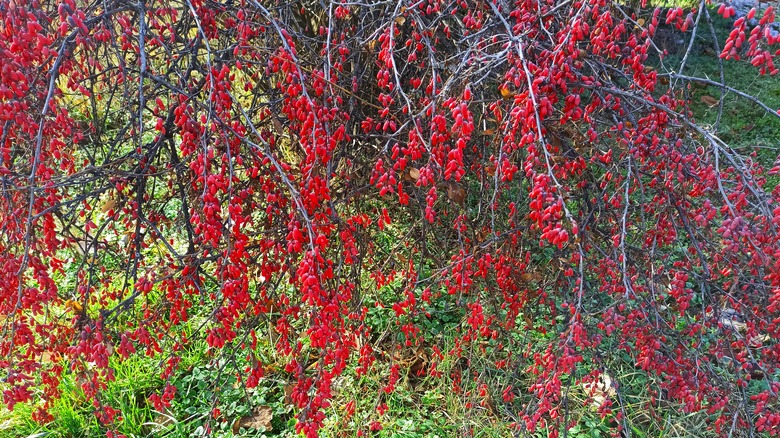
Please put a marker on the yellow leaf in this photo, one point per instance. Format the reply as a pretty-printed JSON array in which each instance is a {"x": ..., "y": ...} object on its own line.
[
  {"x": 74, "y": 306},
  {"x": 506, "y": 93},
  {"x": 109, "y": 205}
]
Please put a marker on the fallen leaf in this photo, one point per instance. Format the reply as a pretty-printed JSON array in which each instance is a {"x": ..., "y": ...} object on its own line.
[
  {"x": 164, "y": 420},
  {"x": 758, "y": 340},
  {"x": 288, "y": 390},
  {"x": 414, "y": 173},
  {"x": 555, "y": 141},
  {"x": 50, "y": 357},
  {"x": 530, "y": 276},
  {"x": 506, "y": 93},
  {"x": 600, "y": 390},
  {"x": 400, "y": 20},
  {"x": 161, "y": 422},
  {"x": 260, "y": 418},
  {"x": 418, "y": 366},
  {"x": 456, "y": 194},
  {"x": 109, "y": 205},
  {"x": 278, "y": 126},
  {"x": 74, "y": 306},
  {"x": 709, "y": 101}
]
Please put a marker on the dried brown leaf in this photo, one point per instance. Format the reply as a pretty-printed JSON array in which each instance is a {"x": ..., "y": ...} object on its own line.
[
  {"x": 456, "y": 194},
  {"x": 288, "y": 390},
  {"x": 260, "y": 418},
  {"x": 709, "y": 100}
]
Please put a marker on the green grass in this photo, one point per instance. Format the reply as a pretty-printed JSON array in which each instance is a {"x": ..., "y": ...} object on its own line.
[{"x": 73, "y": 415}]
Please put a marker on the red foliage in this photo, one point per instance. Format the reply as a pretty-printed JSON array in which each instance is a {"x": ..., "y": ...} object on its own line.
[{"x": 246, "y": 163}]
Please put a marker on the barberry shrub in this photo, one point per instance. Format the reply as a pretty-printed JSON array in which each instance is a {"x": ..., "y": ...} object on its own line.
[{"x": 264, "y": 167}]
